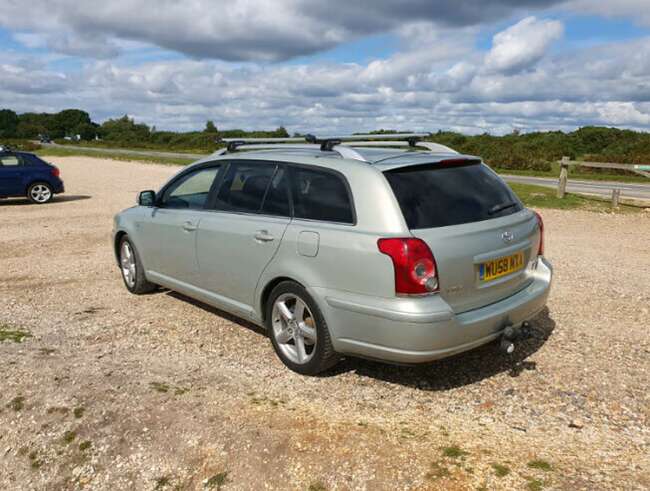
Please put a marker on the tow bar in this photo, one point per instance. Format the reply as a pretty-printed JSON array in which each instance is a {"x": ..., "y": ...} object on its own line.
[{"x": 512, "y": 334}]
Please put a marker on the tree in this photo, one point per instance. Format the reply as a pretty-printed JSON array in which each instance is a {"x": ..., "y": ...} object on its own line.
[
  {"x": 27, "y": 130},
  {"x": 8, "y": 123},
  {"x": 67, "y": 121},
  {"x": 210, "y": 127},
  {"x": 281, "y": 132},
  {"x": 87, "y": 131},
  {"x": 124, "y": 130}
]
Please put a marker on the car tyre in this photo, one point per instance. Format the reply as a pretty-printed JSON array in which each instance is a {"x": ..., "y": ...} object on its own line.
[
  {"x": 40, "y": 193},
  {"x": 298, "y": 330},
  {"x": 131, "y": 268}
]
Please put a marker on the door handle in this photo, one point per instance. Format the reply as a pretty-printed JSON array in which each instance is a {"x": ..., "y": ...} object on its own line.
[
  {"x": 263, "y": 236},
  {"x": 189, "y": 227}
]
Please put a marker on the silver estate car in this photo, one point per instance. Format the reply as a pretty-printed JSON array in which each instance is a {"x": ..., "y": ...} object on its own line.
[{"x": 403, "y": 251}]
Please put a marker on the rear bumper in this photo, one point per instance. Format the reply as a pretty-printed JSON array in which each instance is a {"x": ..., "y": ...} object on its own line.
[
  {"x": 416, "y": 330},
  {"x": 58, "y": 187}
]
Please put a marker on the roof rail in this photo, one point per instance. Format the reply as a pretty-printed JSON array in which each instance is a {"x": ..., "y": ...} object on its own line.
[
  {"x": 431, "y": 146},
  {"x": 328, "y": 142},
  {"x": 340, "y": 144},
  {"x": 233, "y": 143},
  {"x": 345, "y": 152}
]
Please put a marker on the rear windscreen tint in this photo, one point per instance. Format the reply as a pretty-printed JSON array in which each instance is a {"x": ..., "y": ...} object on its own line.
[{"x": 435, "y": 195}]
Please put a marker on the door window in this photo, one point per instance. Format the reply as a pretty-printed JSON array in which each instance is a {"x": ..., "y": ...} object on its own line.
[
  {"x": 320, "y": 195},
  {"x": 244, "y": 187},
  {"x": 190, "y": 191}
]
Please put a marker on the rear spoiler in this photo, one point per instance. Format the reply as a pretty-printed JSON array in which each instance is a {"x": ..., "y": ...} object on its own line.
[{"x": 435, "y": 163}]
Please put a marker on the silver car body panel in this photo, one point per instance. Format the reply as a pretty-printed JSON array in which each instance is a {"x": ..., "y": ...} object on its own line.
[{"x": 220, "y": 261}]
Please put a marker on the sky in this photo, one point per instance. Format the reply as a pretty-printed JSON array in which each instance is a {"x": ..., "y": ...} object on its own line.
[{"x": 335, "y": 66}]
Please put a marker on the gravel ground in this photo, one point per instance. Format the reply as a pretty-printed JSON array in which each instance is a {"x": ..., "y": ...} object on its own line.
[{"x": 115, "y": 391}]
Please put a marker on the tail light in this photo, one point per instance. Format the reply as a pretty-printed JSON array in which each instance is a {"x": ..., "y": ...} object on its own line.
[
  {"x": 540, "y": 221},
  {"x": 55, "y": 171},
  {"x": 415, "y": 267}
]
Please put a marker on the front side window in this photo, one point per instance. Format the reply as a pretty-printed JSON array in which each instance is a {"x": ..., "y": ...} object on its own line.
[
  {"x": 244, "y": 187},
  {"x": 320, "y": 195},
  {"x": 9, "y": 161},
  {"x": 190, "y": 191}
]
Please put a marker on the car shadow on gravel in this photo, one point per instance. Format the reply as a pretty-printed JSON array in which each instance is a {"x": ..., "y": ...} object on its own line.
[
  {"x": 55, "y": 200},
  {"x": 213, "y": 310},
  {"x": 459, "y": 370},
  {"x": 450, "y": 373}
]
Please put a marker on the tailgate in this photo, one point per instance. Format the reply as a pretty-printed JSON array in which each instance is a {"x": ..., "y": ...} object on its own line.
[{"x": 483, "y": 262}]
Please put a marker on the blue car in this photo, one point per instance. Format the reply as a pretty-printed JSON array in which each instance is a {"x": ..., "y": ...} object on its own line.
[{"x": 25, "y": 174}]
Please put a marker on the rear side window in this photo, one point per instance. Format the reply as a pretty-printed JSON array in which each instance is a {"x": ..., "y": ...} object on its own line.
[
  {"x": 320, "y": 195},
  {"x": 434, "y": 195},
  {"x": 244, "y": 187},
  {"x": 10, "y": 161}
]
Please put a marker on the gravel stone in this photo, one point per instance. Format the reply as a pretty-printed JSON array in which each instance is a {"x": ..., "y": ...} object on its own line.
[{"x": 232, "y": 413}]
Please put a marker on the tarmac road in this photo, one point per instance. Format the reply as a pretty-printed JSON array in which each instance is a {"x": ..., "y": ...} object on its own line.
[{"x": 601, "y": 188}]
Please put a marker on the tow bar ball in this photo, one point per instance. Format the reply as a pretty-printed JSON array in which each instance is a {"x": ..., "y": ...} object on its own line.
[
  {"x": 507, "y": 346},
  {"x": 512, "y": 334}
]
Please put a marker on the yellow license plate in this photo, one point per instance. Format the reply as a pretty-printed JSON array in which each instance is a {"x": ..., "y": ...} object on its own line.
[{"x": 501, "y": 266}]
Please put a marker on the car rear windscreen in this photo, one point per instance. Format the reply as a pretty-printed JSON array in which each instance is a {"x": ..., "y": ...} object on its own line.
[{"x": 439, "y": 195}]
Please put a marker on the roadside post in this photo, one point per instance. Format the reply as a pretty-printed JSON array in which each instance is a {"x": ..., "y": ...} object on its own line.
[
  {"x": 616, "y": 196},
  {"x": 564, "y": 175}
]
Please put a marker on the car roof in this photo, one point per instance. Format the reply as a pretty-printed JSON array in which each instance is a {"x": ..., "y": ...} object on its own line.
[{"x": 379, "y": 158}]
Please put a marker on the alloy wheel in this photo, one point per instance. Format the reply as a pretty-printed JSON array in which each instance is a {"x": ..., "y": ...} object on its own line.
[
  {"x": 127, "y": 262},
  {"x": 40, "y": 193},
  {"x": 294, "y": 328}
]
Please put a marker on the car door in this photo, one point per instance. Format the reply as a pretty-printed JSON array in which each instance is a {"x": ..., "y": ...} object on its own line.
[
  {"x": 169, "y": 229},
  {"x": 238, "y": 239},
  {"x": 11, "y": 175}
]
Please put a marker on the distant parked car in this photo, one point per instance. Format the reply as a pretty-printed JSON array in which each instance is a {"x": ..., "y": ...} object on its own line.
[
  {"x": 45, "y": 139},
  {"x": 391, "y": 254},
  {"x": 25, "y": 174}
]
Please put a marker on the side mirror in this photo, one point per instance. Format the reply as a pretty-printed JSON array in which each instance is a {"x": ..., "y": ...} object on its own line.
[{"x": 147, "y": 198}]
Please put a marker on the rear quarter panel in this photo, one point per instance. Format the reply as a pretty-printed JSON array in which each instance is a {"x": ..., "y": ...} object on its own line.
[{"x": 36, "y": 170}]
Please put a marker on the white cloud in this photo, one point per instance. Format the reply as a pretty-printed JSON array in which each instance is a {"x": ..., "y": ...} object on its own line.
[
  {"x": 437, "y": 80},
  {"x": 637, "y": 10},
  {"x": 237, "y": 30},
  {"x": 522, "y": 45},
  {"x": 593, "y": 86}
]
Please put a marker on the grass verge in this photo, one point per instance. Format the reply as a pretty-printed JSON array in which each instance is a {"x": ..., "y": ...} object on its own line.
[
  {"x": 65, "y": 152},
  {"x": 576, "y": 173},
  {"x": 543, "y": 197}
]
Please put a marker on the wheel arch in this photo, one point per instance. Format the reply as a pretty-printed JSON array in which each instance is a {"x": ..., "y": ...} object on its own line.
[
  {"x": 268, "y": 288},
  {"x": 37, "y": 180},
  {"x": 116, "y": 244}
]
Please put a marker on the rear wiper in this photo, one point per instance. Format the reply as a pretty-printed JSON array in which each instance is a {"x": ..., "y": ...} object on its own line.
[{"x": 501, "y": 207}]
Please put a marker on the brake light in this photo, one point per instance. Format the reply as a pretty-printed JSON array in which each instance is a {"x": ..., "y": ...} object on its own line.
[
  {"x": 457, "y": 162},
  {"x": 415, "y": 267},
  {"x": 55, "y": 171},
  {"x": 540, "y": 221}
]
